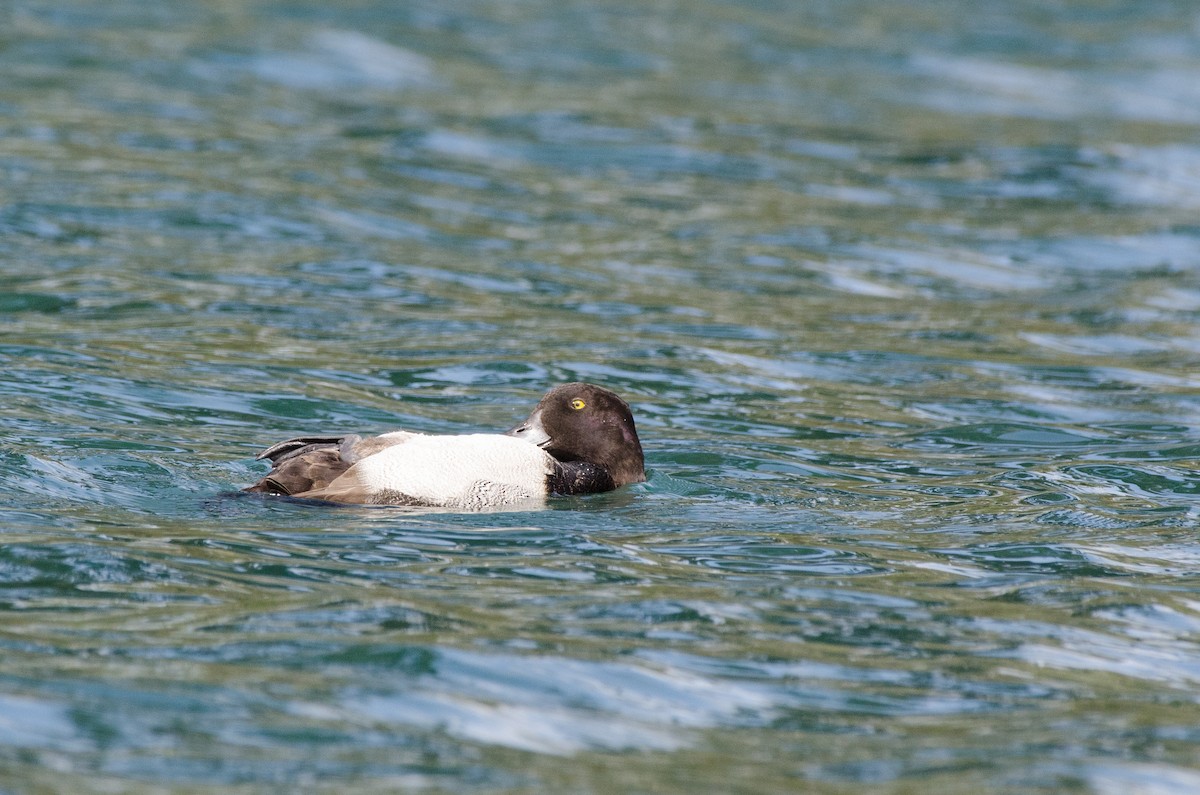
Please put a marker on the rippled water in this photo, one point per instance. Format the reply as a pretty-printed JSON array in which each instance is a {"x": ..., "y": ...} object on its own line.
[{"x": 905, "y": 297}]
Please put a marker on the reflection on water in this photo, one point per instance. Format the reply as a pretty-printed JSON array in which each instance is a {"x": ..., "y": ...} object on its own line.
[{"x": 904, "y": 298}]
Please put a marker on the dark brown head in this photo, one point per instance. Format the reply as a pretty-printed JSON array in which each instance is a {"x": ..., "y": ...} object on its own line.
[{"x": 585, "y": 422}]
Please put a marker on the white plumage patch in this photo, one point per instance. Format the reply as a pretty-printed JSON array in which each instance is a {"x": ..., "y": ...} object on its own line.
[{"x": 468, "y": 472}]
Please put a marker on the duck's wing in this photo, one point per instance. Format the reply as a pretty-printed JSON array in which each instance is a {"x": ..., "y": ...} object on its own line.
[
  {"x": 289, "y": 448},
  {"x": 306, "y": 463}
]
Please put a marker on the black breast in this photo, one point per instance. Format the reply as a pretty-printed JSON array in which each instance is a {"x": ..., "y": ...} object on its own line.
[{"x": 579, "y": 477}]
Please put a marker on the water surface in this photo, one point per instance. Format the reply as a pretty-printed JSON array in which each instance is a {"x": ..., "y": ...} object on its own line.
[{"x": 904, "y": 296}]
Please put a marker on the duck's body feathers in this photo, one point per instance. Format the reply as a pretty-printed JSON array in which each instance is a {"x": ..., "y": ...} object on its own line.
[{"x": 466, "y": 472}]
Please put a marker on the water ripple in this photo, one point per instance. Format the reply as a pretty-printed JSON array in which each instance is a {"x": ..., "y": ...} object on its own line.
[{"x": 904, "y": 304}]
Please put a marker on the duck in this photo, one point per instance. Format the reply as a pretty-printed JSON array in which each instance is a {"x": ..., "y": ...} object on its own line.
[{"x": 579, "y": 439}]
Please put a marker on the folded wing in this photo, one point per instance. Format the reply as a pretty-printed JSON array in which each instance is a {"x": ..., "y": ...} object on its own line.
[{"x": 307, "y": 463}]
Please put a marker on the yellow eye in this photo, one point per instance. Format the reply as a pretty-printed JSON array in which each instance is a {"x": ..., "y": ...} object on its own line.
[{"x": 577, "y": 404}]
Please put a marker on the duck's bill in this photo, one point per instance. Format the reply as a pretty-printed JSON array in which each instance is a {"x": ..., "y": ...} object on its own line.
[{"x": 531, "y": 430}]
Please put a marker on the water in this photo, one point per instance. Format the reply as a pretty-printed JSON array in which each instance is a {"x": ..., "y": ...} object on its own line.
[{"x": 904, "y": 296}]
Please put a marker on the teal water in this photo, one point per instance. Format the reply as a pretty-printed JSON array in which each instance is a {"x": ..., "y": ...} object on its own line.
[{"x": 905, "y": 297}]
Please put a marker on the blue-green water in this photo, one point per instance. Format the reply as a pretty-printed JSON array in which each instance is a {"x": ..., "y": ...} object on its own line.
[{"x": 905, "y": 296}]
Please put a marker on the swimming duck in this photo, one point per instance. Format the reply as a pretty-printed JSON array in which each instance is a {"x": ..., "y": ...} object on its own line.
[{"x": 579, "y": 439}]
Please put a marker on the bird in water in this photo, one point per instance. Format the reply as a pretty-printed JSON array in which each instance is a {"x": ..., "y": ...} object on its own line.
[{"x": 579, "y": 439}]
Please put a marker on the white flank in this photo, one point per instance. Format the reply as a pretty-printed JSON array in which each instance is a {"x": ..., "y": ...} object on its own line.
[{"x": 471, "y": 471}]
